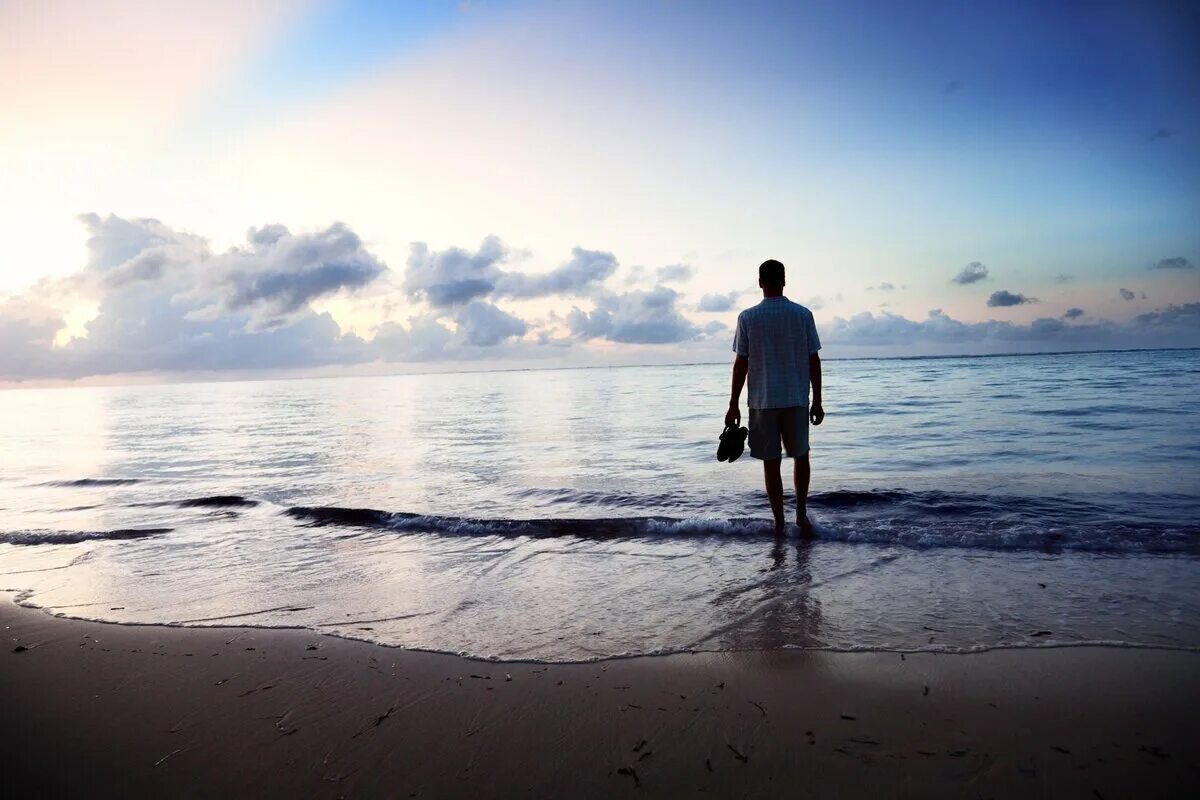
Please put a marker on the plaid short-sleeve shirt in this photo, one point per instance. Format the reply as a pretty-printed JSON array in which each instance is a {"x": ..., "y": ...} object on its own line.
[{"x": 776, "y": 336}]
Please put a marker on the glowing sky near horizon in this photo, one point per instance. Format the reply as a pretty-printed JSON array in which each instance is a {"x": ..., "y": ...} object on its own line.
[{"x": 865, "y": 145}]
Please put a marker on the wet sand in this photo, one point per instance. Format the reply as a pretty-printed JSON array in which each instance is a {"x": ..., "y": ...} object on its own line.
[{"x": 99, "y": 710}]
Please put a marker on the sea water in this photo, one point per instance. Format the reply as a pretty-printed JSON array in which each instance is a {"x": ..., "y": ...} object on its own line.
[{"x": 962, "y": 504}]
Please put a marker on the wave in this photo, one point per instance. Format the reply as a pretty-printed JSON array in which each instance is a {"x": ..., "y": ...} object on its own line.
[
  {"x": 88, "y": 482},
  {"x": 218, "y": 501},
  {"x": 75, "y": 537},
  {"x": 590, "y": 497},
  {"x": 846, "y": 498},
  {"x": 603, "y": 528},
  {"x": 1113, "y": 522},
  {"x": 928, "y": 520},
  {"x": 930, "y": 506},
  {"x": 933, "y": 501}
]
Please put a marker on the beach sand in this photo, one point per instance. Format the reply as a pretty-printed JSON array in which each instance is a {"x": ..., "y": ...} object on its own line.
[{"x": 100, "y": 710}]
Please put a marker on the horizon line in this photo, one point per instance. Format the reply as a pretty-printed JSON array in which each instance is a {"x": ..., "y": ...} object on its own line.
[{"x": 72, "y": 383}]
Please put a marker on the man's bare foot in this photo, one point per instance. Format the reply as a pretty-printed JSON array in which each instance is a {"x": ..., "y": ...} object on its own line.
[
  {"x": 780, "y": 527},
  {"x": 807, "y": 531}
]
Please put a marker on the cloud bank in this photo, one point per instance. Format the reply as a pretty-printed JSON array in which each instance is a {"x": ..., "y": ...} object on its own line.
[
  {"x": 1174, "y": 326},
  {"x": 165, "y": 302}
]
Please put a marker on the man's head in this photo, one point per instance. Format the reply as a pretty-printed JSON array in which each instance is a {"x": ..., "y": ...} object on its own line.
[{"x": 770, "y": 276}]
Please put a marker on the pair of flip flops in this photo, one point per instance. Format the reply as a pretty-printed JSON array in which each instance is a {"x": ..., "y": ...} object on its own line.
[{"x": 733, "y": 443}]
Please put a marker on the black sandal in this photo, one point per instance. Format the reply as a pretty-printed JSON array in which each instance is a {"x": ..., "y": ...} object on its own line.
[{"x": 733, "y": 443}]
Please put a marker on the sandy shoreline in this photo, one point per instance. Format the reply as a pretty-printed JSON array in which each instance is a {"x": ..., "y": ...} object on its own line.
[{"x": 105, "y": 710}]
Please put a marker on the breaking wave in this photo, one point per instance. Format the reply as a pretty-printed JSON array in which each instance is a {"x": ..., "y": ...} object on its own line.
[
  {"x": 83, "y": 483},
  {"x": 218, "y": 501},
  {"x": 75, "y": 537},
  {"x": 890, "y": 517},
  {"x": 608, "y": 528}
]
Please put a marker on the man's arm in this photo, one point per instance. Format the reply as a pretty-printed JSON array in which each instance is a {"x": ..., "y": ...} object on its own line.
[
  {"x": 741, "y": 366},
  {"x": 815, "y": 413}
]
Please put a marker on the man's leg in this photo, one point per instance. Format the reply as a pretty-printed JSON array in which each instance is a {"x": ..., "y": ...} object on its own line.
[
  {"x": 794, "y": 429},
  {"x": 803, "y": 473},
  {"x": 775, "y": 491}
]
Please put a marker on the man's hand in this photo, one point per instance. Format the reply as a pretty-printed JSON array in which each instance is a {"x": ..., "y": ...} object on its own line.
[
  {"x": 816, "y": 414},
  {"x": 734, "y": 415}
]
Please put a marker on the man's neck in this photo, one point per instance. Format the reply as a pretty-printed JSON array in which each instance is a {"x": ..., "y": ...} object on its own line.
[{"x": 769, "y": 293}]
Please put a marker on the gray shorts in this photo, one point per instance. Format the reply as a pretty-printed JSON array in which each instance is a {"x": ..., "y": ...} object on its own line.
[{"x": 772, "y": 427}]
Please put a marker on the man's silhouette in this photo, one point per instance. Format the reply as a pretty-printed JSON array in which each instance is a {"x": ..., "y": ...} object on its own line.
[{"x": 776, "y": 345}]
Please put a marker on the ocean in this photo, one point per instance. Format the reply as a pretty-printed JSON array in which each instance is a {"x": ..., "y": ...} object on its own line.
[{"x": 963, "y": 504}]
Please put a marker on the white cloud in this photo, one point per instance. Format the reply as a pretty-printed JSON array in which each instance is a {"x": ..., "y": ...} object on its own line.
[
  {"x": 27, "y": 333},
  {"x": 1004, "y": 298},
  {"x": 279, "y": 273},
  {"x": 675, "y": 273},
  {"x": 718, "y": 302},
  {"x": 425, "y": 339},
  {"x": 484, "y": 325},
  {"x": 1177, "y": 262},
  {"x": 971, "y": 273},
  {"x": 585, "y": 270},
  {"x": 454, "y": 277},
  {"x": 638, "y": 317}
]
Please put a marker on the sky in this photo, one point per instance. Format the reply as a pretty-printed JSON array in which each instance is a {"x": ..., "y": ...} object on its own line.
[{"x": 326, "y": 187}]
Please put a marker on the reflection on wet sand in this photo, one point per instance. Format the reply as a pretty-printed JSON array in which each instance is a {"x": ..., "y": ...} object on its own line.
[{"x": 787, "y": 612}]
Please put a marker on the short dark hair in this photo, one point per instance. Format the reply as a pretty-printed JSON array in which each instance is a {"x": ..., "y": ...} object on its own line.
[{"x": 770, "y": 272}]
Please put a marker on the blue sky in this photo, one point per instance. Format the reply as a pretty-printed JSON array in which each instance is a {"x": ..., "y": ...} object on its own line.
[
  {"x": 325, "y": 49},
  {"x": 586, "y": 149}
]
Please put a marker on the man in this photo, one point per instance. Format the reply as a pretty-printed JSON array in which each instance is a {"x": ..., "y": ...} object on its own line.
[{"x": 776, "y": 345}]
